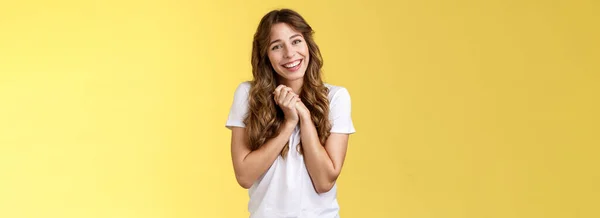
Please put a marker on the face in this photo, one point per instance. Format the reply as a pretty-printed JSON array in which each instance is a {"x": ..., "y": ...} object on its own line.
[{"x": 288, "y": 52}]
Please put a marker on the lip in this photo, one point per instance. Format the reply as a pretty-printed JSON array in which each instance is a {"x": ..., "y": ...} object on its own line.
[{"x": 293, "y": 69}]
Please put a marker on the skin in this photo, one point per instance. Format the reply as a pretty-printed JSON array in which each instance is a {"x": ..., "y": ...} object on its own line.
[{"x": 323, "y": 162}]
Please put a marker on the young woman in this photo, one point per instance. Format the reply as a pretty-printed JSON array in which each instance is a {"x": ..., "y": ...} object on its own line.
[{"x": 289, "y": 129}]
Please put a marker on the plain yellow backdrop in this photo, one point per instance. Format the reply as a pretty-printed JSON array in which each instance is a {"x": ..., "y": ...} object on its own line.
[{"x": 463, "y": 109}]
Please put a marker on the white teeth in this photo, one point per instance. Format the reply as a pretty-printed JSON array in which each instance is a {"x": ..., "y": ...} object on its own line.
[{"x": 295, "y": 63}]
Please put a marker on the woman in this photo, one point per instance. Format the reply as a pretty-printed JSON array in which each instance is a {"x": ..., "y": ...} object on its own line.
[{"x": 289, "y": 129}]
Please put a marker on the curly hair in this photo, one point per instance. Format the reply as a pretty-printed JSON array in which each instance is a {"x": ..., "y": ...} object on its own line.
[{"x": 264, "y": 117}]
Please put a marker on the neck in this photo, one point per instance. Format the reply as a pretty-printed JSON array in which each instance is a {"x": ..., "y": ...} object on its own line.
[{"x": 296, "y": 85}]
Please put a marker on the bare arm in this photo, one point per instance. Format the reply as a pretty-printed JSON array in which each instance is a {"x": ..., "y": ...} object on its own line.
[
  {"x": 324, "y": 163},
  {"x": 249, "y": 165}
]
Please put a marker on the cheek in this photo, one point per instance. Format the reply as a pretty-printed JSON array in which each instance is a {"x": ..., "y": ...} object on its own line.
[
  {"x": 305, "y": 52},
  {"x": 273, "y": 59}
]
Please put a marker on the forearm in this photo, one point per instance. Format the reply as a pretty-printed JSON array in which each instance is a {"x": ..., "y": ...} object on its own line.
[
  {"x": 318, "y": 162},
  {"x": 258, "y": 161}
]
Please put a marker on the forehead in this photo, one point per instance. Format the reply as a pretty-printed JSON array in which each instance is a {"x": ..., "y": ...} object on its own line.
[{"x": 282, "y": 31}]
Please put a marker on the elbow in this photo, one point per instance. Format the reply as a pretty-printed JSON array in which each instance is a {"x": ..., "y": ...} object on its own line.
[
  {"x": 324, "y": 187},
  {"x": 244, "y": 178},
  {"x": 243, "y": 182},
  {"x": 326, "y": 183},
  {"x": 245, "y": 185}
]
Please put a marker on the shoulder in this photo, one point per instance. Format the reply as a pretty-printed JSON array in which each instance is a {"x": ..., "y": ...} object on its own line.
[
  {"x": 239, "y": 106},
  {"x": 243, "y": 87},
  {"x": 340, "y": 110},
  {"x": 337, "y": 92},
  {"x": 242, "y": 90},
  {"x": 240, "y": 96}
]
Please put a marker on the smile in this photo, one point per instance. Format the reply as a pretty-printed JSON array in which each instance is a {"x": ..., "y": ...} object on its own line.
[{"x": 293, "y": 64}]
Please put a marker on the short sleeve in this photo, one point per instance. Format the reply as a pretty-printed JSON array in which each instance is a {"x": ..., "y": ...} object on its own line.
[
  {"x": 340, "y": 113},
  {"x": 239, "y": 107}
]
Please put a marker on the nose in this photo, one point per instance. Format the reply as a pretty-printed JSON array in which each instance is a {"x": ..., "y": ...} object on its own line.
[{"x": 289, "y": 52}]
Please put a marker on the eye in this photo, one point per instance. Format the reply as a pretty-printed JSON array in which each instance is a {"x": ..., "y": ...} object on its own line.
[
  {"x": 296, "y": 41},
  {"x": 275, "y": 47}
]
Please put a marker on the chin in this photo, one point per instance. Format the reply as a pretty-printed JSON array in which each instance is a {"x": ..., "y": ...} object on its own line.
[{"x": 294, "y": 76}]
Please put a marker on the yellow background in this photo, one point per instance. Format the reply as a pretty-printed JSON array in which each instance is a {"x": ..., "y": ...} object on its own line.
[{"x": 463, "y": 109}]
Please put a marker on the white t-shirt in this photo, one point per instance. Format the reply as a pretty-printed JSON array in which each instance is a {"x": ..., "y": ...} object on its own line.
[{"x": 286, "y": 189}]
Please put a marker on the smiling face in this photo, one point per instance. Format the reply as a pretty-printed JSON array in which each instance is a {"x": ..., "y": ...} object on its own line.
[{"x": 288, "y": 52}]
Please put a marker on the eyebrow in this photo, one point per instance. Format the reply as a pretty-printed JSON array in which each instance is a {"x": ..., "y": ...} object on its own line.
[{"x": 278, "y": 40}]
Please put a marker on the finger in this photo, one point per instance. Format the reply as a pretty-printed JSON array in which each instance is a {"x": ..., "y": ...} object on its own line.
[
  {"x": 282, "y": 94},
  {"x": 290, "y": 90},
  {"x": 278, "y": 89},
  {"x": 288, "y": 98},
  {"x": 293, "y": 101},
  {"x": 276, "y": 93}
]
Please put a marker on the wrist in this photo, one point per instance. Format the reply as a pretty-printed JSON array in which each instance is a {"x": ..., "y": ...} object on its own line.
[
  {"x": 290, "y": 124},
  {"x": 305, "y": 118}
]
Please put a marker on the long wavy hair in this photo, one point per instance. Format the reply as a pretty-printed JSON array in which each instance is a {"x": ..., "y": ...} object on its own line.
[{"x": 264, "y": 117}]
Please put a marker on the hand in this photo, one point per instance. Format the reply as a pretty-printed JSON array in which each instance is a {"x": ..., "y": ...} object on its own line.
[
  {"x": 302, "y": 110},
  {"x": 286, "y": 99}
]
